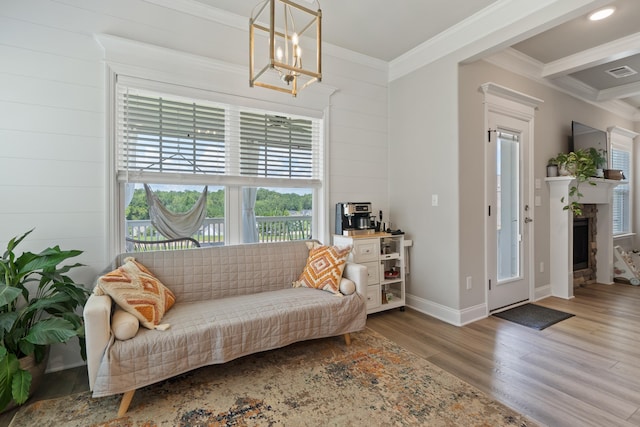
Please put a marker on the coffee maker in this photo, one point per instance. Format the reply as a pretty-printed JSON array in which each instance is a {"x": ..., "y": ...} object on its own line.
[{"x": 353, "y": 218}]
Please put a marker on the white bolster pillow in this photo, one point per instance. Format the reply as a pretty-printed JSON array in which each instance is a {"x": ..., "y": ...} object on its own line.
[{"x": 124, "y": 325}]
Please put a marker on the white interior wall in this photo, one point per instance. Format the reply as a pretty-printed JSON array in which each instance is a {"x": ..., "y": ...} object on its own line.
[
  {"x": 423, "y": 110},
  {"x": 52, "y": 118}
]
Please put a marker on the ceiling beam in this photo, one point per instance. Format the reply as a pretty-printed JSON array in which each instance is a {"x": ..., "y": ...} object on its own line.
[
  {"x": 619, "y": 92},
  {"x": 612, "y": 51}
]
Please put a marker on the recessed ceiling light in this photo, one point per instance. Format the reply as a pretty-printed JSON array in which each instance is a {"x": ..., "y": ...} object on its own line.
[{"x": 602, "y": 13}]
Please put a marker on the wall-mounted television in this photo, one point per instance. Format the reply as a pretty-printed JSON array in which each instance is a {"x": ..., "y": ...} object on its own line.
[{"x": 585, "y": 137}]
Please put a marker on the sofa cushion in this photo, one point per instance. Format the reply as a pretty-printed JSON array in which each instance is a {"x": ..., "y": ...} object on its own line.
[
  {"x": 137, "y": 291},
  {"x": 324, "y": 267}
]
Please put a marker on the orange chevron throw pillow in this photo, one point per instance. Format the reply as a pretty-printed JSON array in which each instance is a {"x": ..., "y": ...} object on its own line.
[
  {"x": 137, "y": 291},
  {"x": 324, "y": 268}
]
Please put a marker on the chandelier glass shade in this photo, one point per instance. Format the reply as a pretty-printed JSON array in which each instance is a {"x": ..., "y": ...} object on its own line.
[{"x": 290, "y": 58}]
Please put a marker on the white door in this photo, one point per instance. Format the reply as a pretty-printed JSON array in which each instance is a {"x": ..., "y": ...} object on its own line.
[{"x": 509, "y": 214}]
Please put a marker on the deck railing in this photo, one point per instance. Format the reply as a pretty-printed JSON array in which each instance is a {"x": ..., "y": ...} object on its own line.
[{"x": 270, "y": 229}]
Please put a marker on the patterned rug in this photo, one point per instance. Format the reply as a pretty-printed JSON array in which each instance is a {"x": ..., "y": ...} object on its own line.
[{"x": 373, "y": 382}]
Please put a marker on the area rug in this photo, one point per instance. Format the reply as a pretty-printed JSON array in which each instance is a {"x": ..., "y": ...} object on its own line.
[
  {"x": 373, "y": 382},
  {"x": 534, "y": 316}
]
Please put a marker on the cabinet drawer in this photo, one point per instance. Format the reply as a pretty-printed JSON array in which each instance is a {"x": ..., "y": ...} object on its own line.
[
  {"x": 366, "y": 250},
  {"x": 373, "y": 296},
  {"x": 373, "y": 273}
]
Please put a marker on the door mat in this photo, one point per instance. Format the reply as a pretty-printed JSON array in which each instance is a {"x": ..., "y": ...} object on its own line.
[{"x": 533, "y": 316}]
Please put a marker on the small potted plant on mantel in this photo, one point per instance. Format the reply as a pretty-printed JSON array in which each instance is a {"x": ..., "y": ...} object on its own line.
[
  {"x": 580, "y": 164},
  {"x": 38, "y": 307}
]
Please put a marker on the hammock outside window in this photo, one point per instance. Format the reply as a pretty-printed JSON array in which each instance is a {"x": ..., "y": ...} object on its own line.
[{"x": 176, "y": 225}]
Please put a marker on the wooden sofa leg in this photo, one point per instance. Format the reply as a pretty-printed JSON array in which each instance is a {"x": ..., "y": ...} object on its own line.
[
  {"x": 125, "y": 402},
  {"x": 347, "y": 338}
]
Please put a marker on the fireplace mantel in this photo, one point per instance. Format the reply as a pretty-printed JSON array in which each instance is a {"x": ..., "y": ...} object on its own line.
[{"x": 561, "y": 231}]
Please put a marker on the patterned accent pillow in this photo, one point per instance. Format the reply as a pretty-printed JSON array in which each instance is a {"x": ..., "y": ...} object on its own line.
[
  {"x": 137, "y": 291},
  {"x": 324, "y": 268}
]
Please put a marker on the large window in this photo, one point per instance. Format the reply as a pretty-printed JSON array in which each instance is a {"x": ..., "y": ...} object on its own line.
[
  {"x": 621, "y": 158},
  {"x": 262, "y": 169}
]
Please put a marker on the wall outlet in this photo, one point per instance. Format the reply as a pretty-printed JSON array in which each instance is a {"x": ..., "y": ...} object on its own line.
[
  {"x": 434, "y": 200},
  {"x": 469, "y": 282}
]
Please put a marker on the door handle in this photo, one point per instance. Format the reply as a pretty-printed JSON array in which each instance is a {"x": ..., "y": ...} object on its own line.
[{"x": 527, "y": 220}]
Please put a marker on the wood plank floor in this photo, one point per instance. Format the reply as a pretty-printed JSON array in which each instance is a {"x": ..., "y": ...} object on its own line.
[{"x": 583, "y": 371}]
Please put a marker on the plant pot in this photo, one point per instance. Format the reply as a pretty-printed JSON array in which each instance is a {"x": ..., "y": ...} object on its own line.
[
  {"x": 552, "y": 170},
  {"x": 37, "y": 373},
  {"x": 563, "y": 171}
]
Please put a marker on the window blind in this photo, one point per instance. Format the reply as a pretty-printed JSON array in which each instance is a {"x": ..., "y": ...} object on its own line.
[
  {"x": 621, "y": 159},
  {"x": 275, "y": 146},
  {"x": 172, "y": 139}
]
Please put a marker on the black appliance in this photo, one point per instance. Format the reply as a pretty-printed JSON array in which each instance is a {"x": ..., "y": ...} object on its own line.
[{"x": 353, "y": 218}]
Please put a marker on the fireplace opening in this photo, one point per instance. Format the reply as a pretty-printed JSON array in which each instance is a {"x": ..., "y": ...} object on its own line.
[{"x": 580, "y": 243}]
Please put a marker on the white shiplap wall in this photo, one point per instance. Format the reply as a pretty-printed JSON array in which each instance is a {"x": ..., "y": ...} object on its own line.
[{"x": 53, "y": 118}]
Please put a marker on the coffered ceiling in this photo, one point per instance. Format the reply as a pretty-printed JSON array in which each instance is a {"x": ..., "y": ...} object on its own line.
[{"x": 574, "y": 55}]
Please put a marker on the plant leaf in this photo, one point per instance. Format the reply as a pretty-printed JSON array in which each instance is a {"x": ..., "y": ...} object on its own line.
[
  {"x": 51, "y": 331},
  {"x": 48, "y": 258},
  {"x": 15, "y": 242},
  {"x": 20, "y": 386},
  {"x": 8, "y": 294},
  {"x": 9, "y": 365},
  {"x": 7, "y": 320}
]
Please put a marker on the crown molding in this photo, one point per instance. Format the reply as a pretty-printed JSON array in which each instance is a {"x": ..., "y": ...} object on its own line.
[
  {"x": 491, "y": 88},
  {"x": 200, "y": 10},
  {"x": 495, "y": 27},
  {"x": 521, "y": 64}
]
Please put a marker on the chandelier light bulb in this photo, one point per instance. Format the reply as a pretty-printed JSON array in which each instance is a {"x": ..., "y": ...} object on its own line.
[
  {"x": 279, "y": 54},
  {"x": 294, "y": 39}
]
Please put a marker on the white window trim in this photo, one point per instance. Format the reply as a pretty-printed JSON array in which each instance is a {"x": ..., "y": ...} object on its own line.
[{"x": 150, "y": 62}]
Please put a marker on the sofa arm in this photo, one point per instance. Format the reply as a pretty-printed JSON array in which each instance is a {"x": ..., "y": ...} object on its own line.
[
  {"x": 97, "y": 324},
  {"x": 358, "y": 274}
]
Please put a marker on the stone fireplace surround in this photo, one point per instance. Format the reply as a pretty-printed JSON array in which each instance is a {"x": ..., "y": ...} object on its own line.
[
  {"x": 588, "y": 274},
  {"x": 561, "y": 232}
]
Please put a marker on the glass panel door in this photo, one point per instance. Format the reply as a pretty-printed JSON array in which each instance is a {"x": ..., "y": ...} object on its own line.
[{"x": 508, "y": 202}]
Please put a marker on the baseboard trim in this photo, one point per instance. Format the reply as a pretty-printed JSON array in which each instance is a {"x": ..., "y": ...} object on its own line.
[
  {"x": 542, "y": 292},
  {"x": 447, "y": 314}
]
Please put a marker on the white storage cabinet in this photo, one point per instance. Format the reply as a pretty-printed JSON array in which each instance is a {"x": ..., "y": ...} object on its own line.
[{"x": 383, "y": 255}]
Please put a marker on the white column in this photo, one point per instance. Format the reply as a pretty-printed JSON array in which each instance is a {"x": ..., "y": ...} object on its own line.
[{"x": 561, "y": 235}]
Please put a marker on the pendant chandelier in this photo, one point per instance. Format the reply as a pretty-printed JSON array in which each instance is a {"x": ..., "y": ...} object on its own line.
[{"x": 288, "y": 67}]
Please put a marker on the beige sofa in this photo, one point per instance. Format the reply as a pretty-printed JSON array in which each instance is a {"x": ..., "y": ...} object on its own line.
[{"x": 230, "y": 301}]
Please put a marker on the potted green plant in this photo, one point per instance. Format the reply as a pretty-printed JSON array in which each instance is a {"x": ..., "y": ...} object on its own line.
[
  {"x": 581, "y": 165},
  {"x": 38, "y": 304}
]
